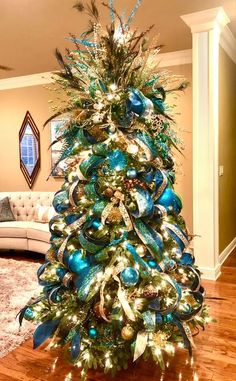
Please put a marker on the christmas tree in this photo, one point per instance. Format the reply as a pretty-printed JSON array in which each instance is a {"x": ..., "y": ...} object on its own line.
[{"x": 119, "y": 280}]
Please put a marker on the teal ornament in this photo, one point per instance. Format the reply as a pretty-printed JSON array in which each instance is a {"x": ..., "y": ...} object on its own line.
[
  {"x": 131, "y": 173},
  {"x": 152, "y": 264},
  {"x": 170, "y": 200},
  {"x": 77, "y": 263},
  {"x": 29, "y": 314},
  {"x": 117, "y": 160},
  {"x": 168, "y": 318},
  {"x": 61, "y": 272},
  {"x": 129, "y": 276},
  {"x": 93, "y": 333},
  {"x": 61, "y": 201}
]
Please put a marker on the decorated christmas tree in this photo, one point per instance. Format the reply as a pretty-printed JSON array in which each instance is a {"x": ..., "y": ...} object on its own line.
[{"x": 119, "y": 280}]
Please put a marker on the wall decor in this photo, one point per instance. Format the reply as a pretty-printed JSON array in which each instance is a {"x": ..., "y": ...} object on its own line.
[
  {"x": 56, "y": 129},
  {"x": 29, "y": 148}
]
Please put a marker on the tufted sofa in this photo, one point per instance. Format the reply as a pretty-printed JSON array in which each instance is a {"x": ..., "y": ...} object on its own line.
[{"x": 25, "y": 233}]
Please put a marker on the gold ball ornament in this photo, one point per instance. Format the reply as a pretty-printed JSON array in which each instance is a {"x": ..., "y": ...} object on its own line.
[
  {"x": 127, "y": 332},
  {"x": 108, "y": 192}
]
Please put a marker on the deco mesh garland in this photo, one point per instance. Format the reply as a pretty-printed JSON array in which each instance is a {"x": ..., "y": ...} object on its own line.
[{"x": 119, "y": 280}]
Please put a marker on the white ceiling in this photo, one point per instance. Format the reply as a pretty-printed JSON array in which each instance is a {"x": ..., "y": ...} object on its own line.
[{"x": 30, "y": 30}]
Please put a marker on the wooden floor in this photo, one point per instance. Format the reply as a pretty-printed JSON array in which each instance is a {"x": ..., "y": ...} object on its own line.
[{"x": 214, "y": 356}]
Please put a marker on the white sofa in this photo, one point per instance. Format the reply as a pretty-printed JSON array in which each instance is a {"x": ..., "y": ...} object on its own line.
[{"x": 25, "y": 233}]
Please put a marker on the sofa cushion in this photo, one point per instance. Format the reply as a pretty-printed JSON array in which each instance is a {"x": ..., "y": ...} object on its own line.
[
  {"x": 38, "y": 231},
  {"x": 23, "y": 203},
  {"x": 43, "y": 213},
  {"x": 13, "y": 229},
  {"x": 5, "y": 210}
]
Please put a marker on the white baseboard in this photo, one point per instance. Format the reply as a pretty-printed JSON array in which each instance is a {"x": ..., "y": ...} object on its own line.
[
  {"x": 227, "y": 251},
  {"x": 212, "y": 273}
]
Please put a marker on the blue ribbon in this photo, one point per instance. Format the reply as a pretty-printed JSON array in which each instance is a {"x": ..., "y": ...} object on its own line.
[{"x": 151, "y": 239}]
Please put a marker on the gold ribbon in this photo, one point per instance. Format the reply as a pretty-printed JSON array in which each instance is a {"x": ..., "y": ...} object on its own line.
[
  {"x": 72, "y": 188},
  {"x": 118, "y": 198},
  {"x": 188, "y": 333},
  {"x": 62, "y": 249},
  {"x": 123, "y": 300},
  {"x": 140, "y": 344},
  {"x": 113, "y": 271},
  {"x": 75, "y": 225}
]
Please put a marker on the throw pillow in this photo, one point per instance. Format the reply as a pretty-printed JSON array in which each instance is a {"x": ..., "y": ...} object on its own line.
[
  {"x": 5, "y": 210},
  {"x": 44, "y": 213}
]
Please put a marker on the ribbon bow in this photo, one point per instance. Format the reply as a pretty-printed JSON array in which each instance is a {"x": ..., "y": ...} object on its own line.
[{"x": 117, "y": 200}]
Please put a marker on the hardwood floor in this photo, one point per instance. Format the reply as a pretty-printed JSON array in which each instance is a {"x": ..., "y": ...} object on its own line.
[{"x": 214, "y": 356}]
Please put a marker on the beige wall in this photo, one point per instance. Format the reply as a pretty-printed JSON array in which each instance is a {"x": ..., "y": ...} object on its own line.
[
  {"x": 227, "y": 150},
  {"x": 183, "y": 117},
  {"x": 13, "y": 106}
]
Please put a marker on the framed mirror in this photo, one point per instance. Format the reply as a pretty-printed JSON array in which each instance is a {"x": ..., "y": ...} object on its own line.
[{"x": 29, "y": 141}]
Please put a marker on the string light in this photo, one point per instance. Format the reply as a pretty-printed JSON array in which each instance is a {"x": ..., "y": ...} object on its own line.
[{"x": 68, "y": 377}]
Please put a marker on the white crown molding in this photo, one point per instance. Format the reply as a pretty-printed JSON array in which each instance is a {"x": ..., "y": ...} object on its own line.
[
  {"x": 206, "y": 20},
  {"x": 228, "y": 43},
  {"x": 180, "y": 57},
  {"x": 25, "y": 81}
]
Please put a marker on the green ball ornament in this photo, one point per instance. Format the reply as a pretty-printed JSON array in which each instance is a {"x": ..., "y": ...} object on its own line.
[
  {"x": 129, "y": 276},
  {"x": 93, "y": 333}
]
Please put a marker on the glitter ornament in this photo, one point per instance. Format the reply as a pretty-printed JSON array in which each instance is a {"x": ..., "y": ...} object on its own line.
[
  {"x": 129, "y": 276},
  {"x": 93, "y": 333},
  {"x": 127, "y": 332}
]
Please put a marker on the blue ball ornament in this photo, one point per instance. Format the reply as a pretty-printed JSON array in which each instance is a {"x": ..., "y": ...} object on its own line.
[
  {"x": 187, "y": 259},
  {"x": 93, "y": 333},
  {"x": 29, "y": 314},
  {"x": 170, "y": 200},
  {"x": 77, "y": 263},
  {"x": 159, "y": 318},
  {"x": 129, "y": 276},
  {"x": 131, "y": 173}
]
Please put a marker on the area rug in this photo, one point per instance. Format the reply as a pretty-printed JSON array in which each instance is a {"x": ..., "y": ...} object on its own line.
[{"x": 18, "y": 283}]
